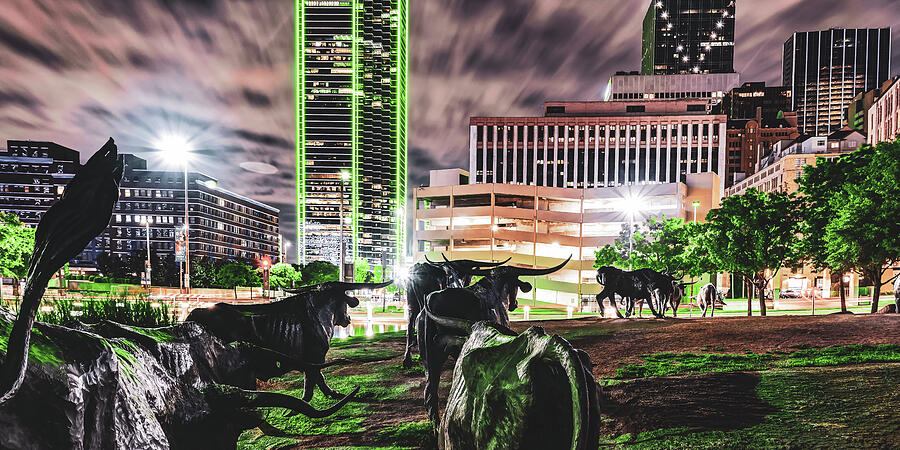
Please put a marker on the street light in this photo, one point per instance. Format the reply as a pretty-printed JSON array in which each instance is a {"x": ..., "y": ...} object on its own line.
[
  {"x": 345, "y": 177},
  {"x": 146, "y": 223},
  {"x": 266, "y": 264},
  {"x": 633, "y": 205},
  {"x": 177, "y": 149},
  {"x": 696, "y": 205}
]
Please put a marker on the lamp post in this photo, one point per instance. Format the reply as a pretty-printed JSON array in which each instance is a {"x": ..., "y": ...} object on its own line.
[
  {"x": 633, "y": 204},
  {"x": 345, "y": 176},
  {"x": 696, "y": 205},
  {"x": 266, "y": 264},
  {"x": 178, "y": 149},
  {"x": 147, "y": 231}
]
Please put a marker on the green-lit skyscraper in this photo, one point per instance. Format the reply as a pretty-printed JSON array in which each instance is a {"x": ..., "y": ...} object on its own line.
[{"x": 351, "y": 129}]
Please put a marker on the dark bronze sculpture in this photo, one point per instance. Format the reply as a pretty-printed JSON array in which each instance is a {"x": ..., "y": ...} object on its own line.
[
  {"x": 428, "y": 277},
  {"x": 67, "y": 227},
  {"x": 489, "y": 299},
  {"x": 528, "y": 391},
  {"x": 113, "y": 386},
  {"x": 299, "y": 326},
  {"x": 654, "y": 288},
  {"x": 708, "y": 298}
]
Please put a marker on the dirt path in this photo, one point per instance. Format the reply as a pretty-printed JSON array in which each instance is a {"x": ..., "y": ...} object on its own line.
[
  {"x": 719, "y": 401},
  {"x": 609, "y": 341}
]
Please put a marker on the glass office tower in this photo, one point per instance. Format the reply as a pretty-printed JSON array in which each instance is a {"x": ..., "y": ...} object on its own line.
[
  {"x": 826, "y": 69},
  {"x": 351, "y": 129},
  {"x": 688, "y": 36}
]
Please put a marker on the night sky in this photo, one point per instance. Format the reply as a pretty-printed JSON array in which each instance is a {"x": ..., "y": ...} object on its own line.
[{"x": 219, "y": 71}]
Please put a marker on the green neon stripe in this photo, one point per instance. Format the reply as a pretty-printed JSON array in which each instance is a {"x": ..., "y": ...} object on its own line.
[
  {"x": 354, "y": 158},
  {"x": 401, "y": 88},
  {"x": 300, "y": 108}
]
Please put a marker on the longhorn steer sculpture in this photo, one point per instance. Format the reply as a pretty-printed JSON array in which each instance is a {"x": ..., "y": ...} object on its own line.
[
  {"x": 653, "y": 287},
  {"x": 707, "y": 299},
  {"x": 489, "y": 299},
  {"x": 428, "y": 277},
  {"x": 519, "y": 391},
  {"x": 111, "y": 386},
  {"x": 300, "y": 326}
]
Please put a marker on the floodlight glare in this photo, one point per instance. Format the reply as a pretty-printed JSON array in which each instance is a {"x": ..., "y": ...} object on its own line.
[{"x": 175, "y": 148}]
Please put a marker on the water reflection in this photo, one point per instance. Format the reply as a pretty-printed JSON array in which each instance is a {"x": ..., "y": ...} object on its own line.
[{"x": 367, "y": 329}]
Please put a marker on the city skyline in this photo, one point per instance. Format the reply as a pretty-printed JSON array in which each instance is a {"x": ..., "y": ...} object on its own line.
[{"x": 76, "y": 72}]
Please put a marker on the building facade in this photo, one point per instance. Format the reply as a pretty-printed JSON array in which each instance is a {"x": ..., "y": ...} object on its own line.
[
  {"x": 223, "y": 224},
  {"x": 633, "y": 86},
  {"x": 599, "y": 144},
  {"x": 749, "y": 140},
  {"x": 688, "y": 36},
  {"x": 540, "y": 227},
  {"x": 351, "y": 130},
  {"x": 857, "y": 116},
  {"x": 756, "y": 100},
  {"x": 826, "y": 69},
  {"x": 884, "y": 115},
  {"x": 32, "y": 177}
]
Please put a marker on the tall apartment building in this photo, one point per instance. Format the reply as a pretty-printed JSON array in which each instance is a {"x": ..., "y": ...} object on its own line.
[
  {"x": 826, "y": 69},
  {"x": 540, "y": 227},
  {"x": 688, "y": 36},
  {"x": 32, "y": 177},
  {"x": 599, "y": 144},
  {"x": 351, "y": 102},
  {"x": 223, "y": 224},
  {"x": 634, "y": 86},
  {"x": 749, "y": 140},
  {"x": 884, "y": 116},
  {"x": 745, "y": 101}
]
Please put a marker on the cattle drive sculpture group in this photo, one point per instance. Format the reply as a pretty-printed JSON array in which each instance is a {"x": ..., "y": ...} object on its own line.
[{"x": 192, "y": 385}]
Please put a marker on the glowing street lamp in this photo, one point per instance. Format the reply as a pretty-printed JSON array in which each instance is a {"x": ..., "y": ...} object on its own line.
[
  {"x": 146, "y": 223},
  {"x": 696, "y": 205},
  {"x": 633, "y": 205},
  {"x": 177, "y": 149},
  {"x": 265, "y": 263}
]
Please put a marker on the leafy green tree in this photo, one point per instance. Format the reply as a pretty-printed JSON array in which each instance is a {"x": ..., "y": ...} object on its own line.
[
  {"x": 204, "y": 271},
  {"x": 318, "y": 272},
  {"x": 164, "y": 270},
  {"x": 16, "y": 245},
  {"x": 664, "y": 245},
  {"x": 112, "y": 266},
  {"x": 232, "y": 275},
  {"x": 864, "y": 232},
  {"x": 819, "y": 185},
  {"x": 752, "y": 235},
  {"x": 362, "y": 272},
  {"x": 283, "y": 276}
]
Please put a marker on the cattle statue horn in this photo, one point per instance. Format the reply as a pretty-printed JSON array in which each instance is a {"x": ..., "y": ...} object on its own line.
[
  {"x": 467, "y": 262},
  {"x": 520, "y": 271},
  {"x": 454, "y": 323},
  {"x": 64, "y": 231}
]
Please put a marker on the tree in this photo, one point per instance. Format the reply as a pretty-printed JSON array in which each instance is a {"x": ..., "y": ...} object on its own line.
[
  {"x": 16, "y": 245},
  {"x": 753, "y": 235},
  {"x": 204, "y": 271},
  {"x": 164, "y": 270},
  {"x": 664, "y": 245},
  {"x": 112, "y": 266},
  {"x": 232, "y": 275},
  {"x": 362, "y": 272},
  {"x": 819, "y": 184},
  {"x": 318, "y": 272},
  {"x": 864, "y": 232},
  {"x": 283, "y": 276}
]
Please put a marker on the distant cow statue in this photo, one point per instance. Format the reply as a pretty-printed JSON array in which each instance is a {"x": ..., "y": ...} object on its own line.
[
  {"x": 897, "y": 294},
  {"x": 708, "y": 298},
  {"x": 653, "y": 287},
  {"x": 427, "y": 277}
]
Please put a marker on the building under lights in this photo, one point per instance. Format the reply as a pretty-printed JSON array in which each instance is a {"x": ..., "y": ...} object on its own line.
[
  {"x": 708, "y": 86},
  {"x": 32, "y": 177},
  {"x": 351, "y": 101},
  {"x": 688, "y": 36},
  {"x": 599, "y": 144},
  {"x": 541, "y": 226},
  {"x": 826, "y": 69}
]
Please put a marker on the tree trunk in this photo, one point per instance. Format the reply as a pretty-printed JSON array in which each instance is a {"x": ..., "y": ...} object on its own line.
[
  {"x": 749, "y": 287},
  {"x": 875, "y": 278},
  {"x": 762, "y": 298},
  {"x": 843, "y": 296}
]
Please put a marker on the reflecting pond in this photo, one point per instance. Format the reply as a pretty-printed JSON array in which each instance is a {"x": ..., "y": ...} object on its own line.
[{"x": 367, "y": 328}]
